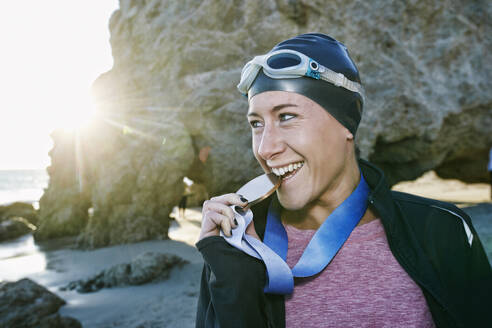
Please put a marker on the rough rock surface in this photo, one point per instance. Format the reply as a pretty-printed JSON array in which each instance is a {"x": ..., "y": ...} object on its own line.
[
  {"x": 19, "y": 209},
  {"x": 64, "y": 204},
  {"x": 25, "y": 304},
  {"x": 196, "y": 194},
  {"x": 137, "y": 177},
  {"x": 425, "y": 66},
  {"x": 15, "y": 227},
  {"x": 146, "y": 267}
]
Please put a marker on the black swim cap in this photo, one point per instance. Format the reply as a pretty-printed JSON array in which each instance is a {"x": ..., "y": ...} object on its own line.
[{"x": 344, "y": 105}]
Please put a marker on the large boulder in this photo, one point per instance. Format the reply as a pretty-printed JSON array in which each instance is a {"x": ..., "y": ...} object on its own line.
[
  {"x": 63, "y": 208},
  {"x": 424, "y": 66},
  {"x": 25, "y": 304},
  {"x": 15, "y": 227},
  {"x": 146, "y": 267},
  {"x": 171, "y": 95},
  {"x": 19, "y": 209},
  {"x": 136, "y": 178}
]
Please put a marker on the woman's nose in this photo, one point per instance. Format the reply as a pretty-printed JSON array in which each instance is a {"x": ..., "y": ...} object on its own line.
[{"x": 270, "y": 143}]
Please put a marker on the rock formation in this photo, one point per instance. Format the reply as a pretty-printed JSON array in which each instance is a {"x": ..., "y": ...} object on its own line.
[
  {"x": 63, "y": 208},
  {"x": 25, "y": 304},
  {"x": 19, "y": 209},
  {"x": 171, "y": 97},
  {"x": 146, "y": 267},
  {"x": 15, "y": 227}
]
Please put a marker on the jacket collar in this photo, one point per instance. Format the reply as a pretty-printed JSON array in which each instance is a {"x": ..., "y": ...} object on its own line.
[{"x": 380, "y": 196}]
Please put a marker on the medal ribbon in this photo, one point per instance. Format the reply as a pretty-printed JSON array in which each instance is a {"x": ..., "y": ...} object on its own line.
[{"x": 322, "y": 248}]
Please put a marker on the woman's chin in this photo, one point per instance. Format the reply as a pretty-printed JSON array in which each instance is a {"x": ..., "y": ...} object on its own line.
[{"x": 291, "y": 202}]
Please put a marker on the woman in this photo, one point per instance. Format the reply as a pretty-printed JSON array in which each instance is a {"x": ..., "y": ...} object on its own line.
[{"x": 398, "y": 260}]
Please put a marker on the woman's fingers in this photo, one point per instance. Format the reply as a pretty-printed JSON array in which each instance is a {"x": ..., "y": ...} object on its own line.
[
  {"x": 219, "y": 208},
  {"x": 230, "y": 199},
  {"x": 219, "y": 221},
  {"x": 213, "y": 222},
  {"x": 217, "y": 215}
]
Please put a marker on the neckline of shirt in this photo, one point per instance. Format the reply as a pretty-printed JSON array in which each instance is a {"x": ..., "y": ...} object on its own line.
[{"x": 365, "y": 231}]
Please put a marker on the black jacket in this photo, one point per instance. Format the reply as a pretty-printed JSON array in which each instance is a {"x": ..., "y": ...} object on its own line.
[{"x": 433, "y": 241}]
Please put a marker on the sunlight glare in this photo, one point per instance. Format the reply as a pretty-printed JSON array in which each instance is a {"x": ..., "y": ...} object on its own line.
[
  {"x": 16, "y": 268},
  {"x": 76, "y": 115},
  {"x": 19, "y": 258},
  {"x": 50, "y": 58}
]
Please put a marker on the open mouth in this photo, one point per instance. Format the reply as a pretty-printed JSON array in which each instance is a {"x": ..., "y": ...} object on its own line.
[{"x": 288, "y": 171}]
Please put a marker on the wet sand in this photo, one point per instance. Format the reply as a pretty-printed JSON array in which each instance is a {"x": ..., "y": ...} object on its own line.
[{"x": 170, "y": 303}]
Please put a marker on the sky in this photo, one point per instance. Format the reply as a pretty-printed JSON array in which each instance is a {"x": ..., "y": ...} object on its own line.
[{"x": 50, "y": 53}]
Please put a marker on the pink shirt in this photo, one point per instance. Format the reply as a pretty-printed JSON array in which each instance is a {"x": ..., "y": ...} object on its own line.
[{"x": 363, "y": 286}]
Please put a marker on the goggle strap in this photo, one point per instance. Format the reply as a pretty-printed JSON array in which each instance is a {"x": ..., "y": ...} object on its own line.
[
  {"x": 248, "y": 75},
  {"x": 339, "y": 80}
]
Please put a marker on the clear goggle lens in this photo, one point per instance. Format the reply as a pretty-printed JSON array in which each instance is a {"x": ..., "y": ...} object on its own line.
[{"x": 283, "y": 60}]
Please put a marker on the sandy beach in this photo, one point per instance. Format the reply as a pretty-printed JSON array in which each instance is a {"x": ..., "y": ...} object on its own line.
[
  {"x": 172, "y": 303},
  {"x": 450, "y": 190}
]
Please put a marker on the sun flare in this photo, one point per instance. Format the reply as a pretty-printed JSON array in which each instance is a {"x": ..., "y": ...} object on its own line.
[
  {"x": 50, "y": 58},
  {"x": 75, "y": 116}
]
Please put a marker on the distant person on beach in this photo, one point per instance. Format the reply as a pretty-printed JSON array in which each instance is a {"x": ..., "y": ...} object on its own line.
[
  {"x": 184, "y": 199},
  {"x": 333, "y": 246},
  {"x": 182, "y": 206}
]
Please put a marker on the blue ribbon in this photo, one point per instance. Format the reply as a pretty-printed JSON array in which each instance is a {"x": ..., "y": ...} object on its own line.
[
  {"x": 322, "y": 248},
  {"x": 327, "y": 240}
]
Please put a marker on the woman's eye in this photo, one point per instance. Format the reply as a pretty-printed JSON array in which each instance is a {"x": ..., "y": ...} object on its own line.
[
  {"x": 286, "y": 117},
  {"x": 255, "y": 124}
]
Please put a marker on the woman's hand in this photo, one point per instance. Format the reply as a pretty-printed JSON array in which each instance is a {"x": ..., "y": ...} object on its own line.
[{"x": 217, "y": 215}]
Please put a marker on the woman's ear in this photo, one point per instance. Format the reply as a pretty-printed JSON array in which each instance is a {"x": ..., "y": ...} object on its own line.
[{"x": 350, "y": 136}]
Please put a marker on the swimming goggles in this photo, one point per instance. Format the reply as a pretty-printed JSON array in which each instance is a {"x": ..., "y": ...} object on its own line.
[{"x": 288, "y": 64}]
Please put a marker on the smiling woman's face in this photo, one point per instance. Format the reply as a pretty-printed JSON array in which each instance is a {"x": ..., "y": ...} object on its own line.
[{"x": 294, "y": 136}]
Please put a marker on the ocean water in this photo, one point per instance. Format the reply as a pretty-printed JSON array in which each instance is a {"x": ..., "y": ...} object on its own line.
[
  {"x": 20, "y": 257},
  {"x": 22, "y": 185}
]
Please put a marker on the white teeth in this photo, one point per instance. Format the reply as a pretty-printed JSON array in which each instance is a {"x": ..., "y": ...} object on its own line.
[{"x": 288, "y": 168}]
